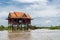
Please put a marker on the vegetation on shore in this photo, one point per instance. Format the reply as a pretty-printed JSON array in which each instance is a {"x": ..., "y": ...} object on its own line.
[
  {"x": 50, "y": 27},
  {"x": 30, "y": 27}
]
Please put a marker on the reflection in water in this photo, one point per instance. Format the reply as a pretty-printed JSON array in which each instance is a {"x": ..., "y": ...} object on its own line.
[
  {"x": 39, "y": 34},
  {"x": 4, "y": 35},
  {"x": 19, "y": 36},
  {"x": 45, "y": 34}
]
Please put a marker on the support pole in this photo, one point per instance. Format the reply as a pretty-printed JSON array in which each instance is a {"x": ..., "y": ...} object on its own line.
[
  {"x": 12, "y": 27},
  {"x": 21, "y": 26},
  {"x": 17, "y": 26},
  {"x": 26, "y": 26}
]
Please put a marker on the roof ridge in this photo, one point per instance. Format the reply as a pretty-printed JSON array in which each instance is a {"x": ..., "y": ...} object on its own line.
[{"x": 15, "y": 14}]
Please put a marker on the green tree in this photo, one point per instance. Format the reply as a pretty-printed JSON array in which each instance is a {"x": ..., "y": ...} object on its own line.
[{"x": 2, "y": 27}]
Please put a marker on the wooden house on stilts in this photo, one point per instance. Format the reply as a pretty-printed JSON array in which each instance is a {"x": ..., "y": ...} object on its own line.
[{"x": 18, "y": 19}]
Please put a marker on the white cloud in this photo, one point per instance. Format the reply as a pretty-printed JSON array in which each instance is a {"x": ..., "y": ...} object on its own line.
[
  {"x": 28, "y": 1},
  {"x": 49, "y": 12},
  {"x": 41, "y": 9},
  {"x": 47, "y": 21},
  {"x": 45, "y": 13}
]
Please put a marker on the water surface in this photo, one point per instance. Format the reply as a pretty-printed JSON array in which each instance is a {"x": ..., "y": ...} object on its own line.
[{"x": 38, "y": 34}]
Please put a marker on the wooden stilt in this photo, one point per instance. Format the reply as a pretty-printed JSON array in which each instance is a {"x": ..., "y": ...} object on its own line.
[
  {"x": 27, "y": 26},
  {"x": 17, "y": 26},
  {"x": 12, "y": 28},
  {"x": 21, "y": 26}
]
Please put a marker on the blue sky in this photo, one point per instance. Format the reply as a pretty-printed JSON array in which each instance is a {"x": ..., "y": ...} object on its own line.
[{"x": 45, "y": 12}]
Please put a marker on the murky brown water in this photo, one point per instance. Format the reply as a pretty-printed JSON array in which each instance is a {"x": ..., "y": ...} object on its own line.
[{"x": 39, "y": 34}]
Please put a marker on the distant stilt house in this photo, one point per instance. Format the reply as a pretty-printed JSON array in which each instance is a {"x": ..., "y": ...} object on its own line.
[{"x": 19, "y": 19}]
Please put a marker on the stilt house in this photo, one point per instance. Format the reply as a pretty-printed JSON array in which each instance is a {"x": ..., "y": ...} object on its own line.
[{"x": 19, "y": 19}]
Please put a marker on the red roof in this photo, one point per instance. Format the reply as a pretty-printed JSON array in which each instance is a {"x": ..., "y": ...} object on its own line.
[{"x": 19, "y": 15}]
